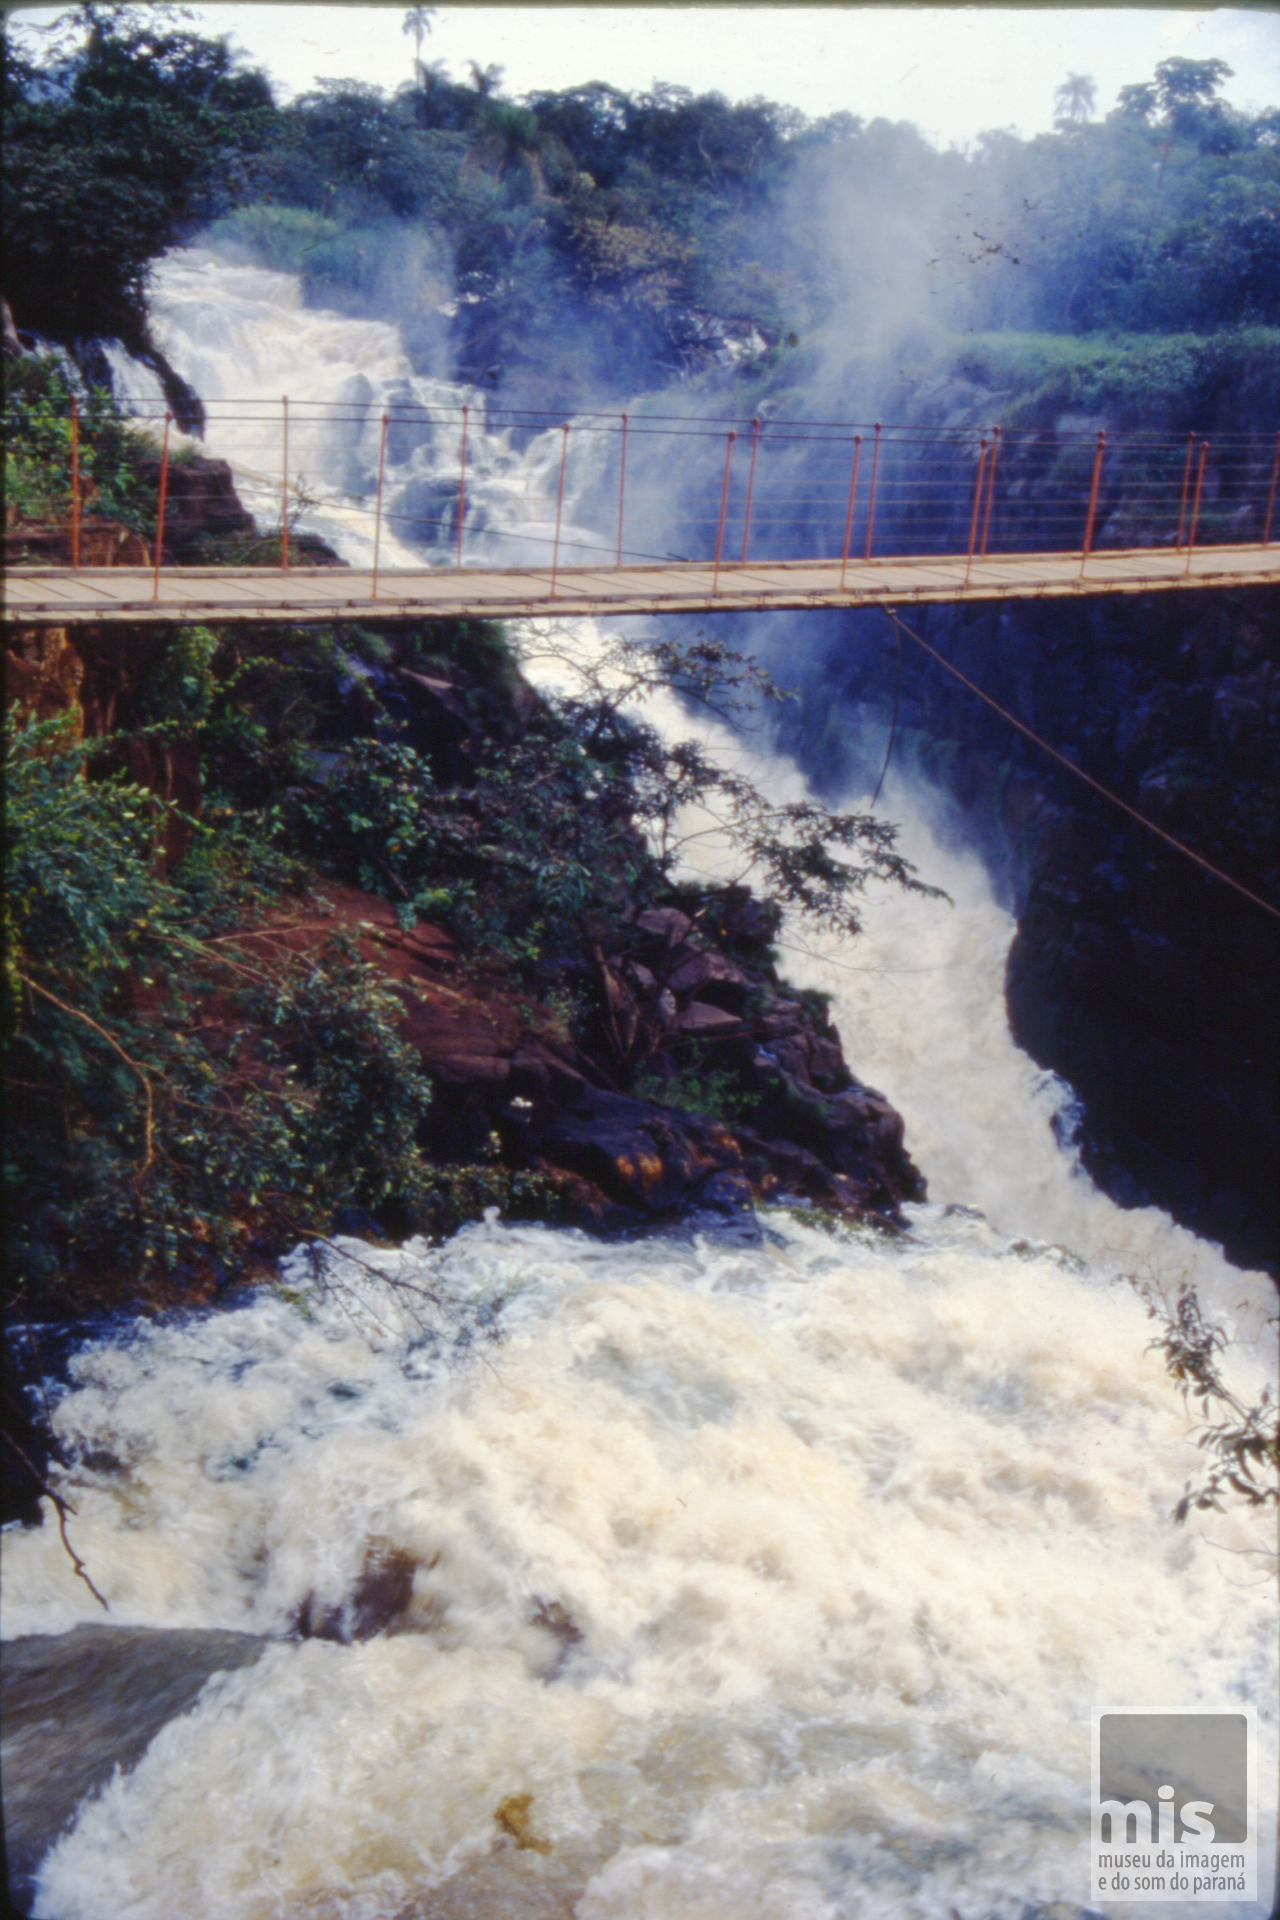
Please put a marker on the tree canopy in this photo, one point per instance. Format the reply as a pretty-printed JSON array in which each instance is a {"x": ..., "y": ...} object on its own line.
[
  {"x": 127, "y": 134},
  {"x": 592, "y": 240}
]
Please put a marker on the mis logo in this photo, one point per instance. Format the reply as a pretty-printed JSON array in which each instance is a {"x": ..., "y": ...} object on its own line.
[{"x": 1173, "y": 1812}]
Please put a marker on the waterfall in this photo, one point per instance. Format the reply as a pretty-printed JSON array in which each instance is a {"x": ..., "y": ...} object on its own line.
[
  {"x": 243, "y": 339},
  {"x": 665, "y": 1580}
]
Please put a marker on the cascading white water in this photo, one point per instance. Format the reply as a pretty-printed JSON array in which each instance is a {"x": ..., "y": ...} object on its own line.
[
  {"x": 243, "y": 339},
  {"x": 740, "y": 1584}
]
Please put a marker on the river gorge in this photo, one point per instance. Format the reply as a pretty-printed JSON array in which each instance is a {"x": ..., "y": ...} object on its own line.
[{"x": 692, "y": 1577}]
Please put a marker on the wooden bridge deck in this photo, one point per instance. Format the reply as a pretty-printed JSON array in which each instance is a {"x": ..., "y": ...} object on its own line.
[{"x": 63, "y": 595}]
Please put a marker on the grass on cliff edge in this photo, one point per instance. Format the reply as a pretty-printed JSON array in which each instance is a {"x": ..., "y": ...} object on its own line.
[{"x": 1148, "y": 376}]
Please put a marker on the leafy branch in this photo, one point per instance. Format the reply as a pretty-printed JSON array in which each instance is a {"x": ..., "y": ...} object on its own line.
[
  {"x": 78, "y": 1013},
  {"x": 793, "y": 850},
  {"x": 1242, "y": 1442}
]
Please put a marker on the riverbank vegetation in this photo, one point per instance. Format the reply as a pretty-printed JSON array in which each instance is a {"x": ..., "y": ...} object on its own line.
[
  {"x": 193, "y": 1086},
  {"x": 592, "y": 242},
  {"x": 195, "y": 1082}
]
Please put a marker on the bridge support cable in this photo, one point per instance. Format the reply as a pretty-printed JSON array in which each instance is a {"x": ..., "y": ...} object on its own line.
[
  {"x": 810, "y": 529},
  {"x": 1070, "y": 766}
]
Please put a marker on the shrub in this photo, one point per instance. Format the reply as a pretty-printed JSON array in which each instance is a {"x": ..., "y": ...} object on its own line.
[
  {"x": 284, "y": 238},
  {"x": 37, "y": 463}
]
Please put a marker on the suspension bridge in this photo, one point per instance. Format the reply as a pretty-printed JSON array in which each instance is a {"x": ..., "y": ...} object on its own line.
[{"x": 763, "y": 514}]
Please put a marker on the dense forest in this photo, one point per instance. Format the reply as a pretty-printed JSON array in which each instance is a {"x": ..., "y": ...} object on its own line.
[
  {"x": 590, "y": 242},
  {"x": 556, "y": 250},
  {"x": 322, "y": 942}
]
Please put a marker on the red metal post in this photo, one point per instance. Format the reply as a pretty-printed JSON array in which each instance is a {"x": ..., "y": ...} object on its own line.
[
  {"x": 1195, "y": 509},
  {"x": 991, "y": 488},
  {"x": 978, "y": 485},
  {"x": 622, "y": 487},
  {"x": 377, "y": 519},
  {"x": 1271, "y": 497},
  {"x": 284, "y": 495},
  {"x": 1093, "y": 498},
  {"x": 555, "y": 556},
  {"x": 164, "y": 490},
  {"x": 75, "y": 483},
  {"x": 871, "y": 503},
  {"x": 1186, "y": 488},
  {"x": 462, "y": 485},
  {"x": 724, "y": 501},
  {"x": 848, "y": 518},
  {"x": 751, "y": 482}
]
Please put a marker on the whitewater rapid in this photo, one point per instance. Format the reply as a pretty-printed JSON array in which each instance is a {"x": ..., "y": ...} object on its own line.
[
  {"x": 769, "y": 1583},
  {"x": 242, "y": 338}
]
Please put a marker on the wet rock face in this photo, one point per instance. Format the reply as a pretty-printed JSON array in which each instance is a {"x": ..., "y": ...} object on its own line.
[
  {"x": 727, "y": 1106},
  {"x": 651, "y": 1165},
  {"x": 1146, "y": 983},
  {"x": 78, "y": 1705}
]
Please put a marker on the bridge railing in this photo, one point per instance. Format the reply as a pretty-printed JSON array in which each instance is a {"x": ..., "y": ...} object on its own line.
[{"x": 478, "y": 484}]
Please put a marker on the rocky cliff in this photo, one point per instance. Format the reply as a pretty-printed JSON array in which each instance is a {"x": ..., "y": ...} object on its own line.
[
  {"x": 687, "y": 1081},
  {"x": 1146, "y": 983}
]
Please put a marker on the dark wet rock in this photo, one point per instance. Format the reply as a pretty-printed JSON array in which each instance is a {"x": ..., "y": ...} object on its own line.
[
  {"x": 650, "y": 1165},
  {"x": 712, "y": 977},
  {"x": 666, "y": 924},
  {"x": 622, "y": 1163},
  {"x": 712, "y": 1022},
  {"x": 79, "y": 1705},
  {"x": 201, "y": 505},
  {"x": 378, "y": 1602},
  {"x": 1144, "y": 982}
]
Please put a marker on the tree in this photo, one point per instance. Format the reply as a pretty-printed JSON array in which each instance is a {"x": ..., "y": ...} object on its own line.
[
  {"x": 807, "y": 858},
  {"x": 1074, "y": 100},
  {"x": 417, "y": 22},
  {"x": 1138, "y": 102},
  {"x": 121, "y": 140},
  {"x": 1184, "y": 83},
  {"x": 485, "y": 80}
]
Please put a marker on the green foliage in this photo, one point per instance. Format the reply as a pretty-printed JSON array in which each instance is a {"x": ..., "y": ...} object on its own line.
[
  {"x": 195, "y": 1088},
  {"x": 180, "y": 686},
  {"x": 508, "y": 863},
  {"x": 697, "y": 1087},
  {"x": 285, "y": 238},
  {"x": 1141, "y": 376},
  {"x": 1241, "y": 1443},
  {"x": 446, "y": 1197},
  {"x": 793, "y": 851},
  {"x": 147, "y": 1141},
  {"x": 595, "y": 238},
  {"x": 121, "y": 128},
  {"x": 77, "y": 856},
  {"x": 38, "y": 456}
]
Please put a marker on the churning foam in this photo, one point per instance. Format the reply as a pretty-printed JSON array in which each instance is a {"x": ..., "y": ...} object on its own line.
[
  {"x": 774, "y": 1582},
  {"x": 769, "y": 1584},
  {"x": 244, "y": 340}
]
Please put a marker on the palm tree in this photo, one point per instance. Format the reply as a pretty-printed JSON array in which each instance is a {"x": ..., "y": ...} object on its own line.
[
  {"x": 417, "y": 22},
  {"x": 485, "y": 80},
  {"x": 1074, "y": 100}
]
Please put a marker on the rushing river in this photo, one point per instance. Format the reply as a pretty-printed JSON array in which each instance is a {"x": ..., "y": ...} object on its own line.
[{"x": 701, "y": 1582}]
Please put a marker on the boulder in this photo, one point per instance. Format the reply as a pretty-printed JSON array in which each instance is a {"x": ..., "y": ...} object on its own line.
[
  {"x": 649, "y": 1165},
  {"x": 79, "y": 1705},
  {"x": 666, "y": 924},
  {"x": 711, "y": 1023},
  {"x": 201, "y": 506}
]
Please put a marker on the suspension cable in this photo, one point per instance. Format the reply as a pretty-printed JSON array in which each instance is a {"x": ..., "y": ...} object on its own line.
[{"x": 1079, "y": 772}]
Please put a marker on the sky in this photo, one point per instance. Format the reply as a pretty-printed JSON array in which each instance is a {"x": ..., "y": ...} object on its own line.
[{"x": 954, "y": 71}]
